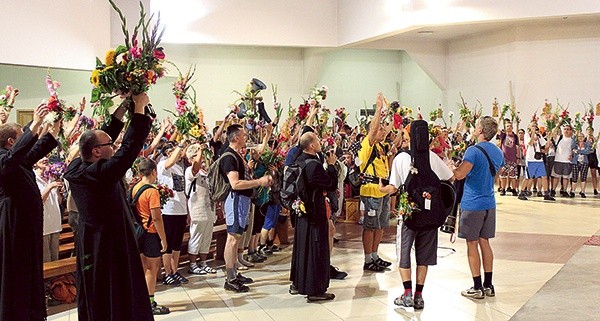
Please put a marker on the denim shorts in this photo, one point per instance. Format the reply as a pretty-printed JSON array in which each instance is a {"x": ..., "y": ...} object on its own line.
[
  {"x": 237, "y": 211},
  {"x": 377, "y": 212}
]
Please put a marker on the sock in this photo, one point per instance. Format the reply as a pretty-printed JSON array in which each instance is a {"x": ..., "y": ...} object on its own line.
[
  {"x": 487, "y": 279},
  {"x": 477, "y": 282},
  {"x": 368, "y": 258},
  {"x": 152, "y": 299},
  {"x": 374, "y": 256},
  {"x": 270, "y": 243},
  {"x": 407, "y": 287},
  {"x": 419, "y": 289},
  {"x": 231, "y": 275}
]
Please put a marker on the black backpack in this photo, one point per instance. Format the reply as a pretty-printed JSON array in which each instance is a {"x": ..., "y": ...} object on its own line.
[
  {"x": 138, "y": 228},
  {"x": 432, "y": 211},
  {"x": 293, "y": 183}
]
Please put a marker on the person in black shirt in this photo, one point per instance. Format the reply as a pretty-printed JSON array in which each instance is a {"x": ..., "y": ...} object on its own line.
[{"x": 237, "y": 204}]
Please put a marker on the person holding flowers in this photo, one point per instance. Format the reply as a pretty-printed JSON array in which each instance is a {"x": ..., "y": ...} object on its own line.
[
  {"x": 106, "y": 245},
  {"x": 51, "y": 197},
  {"x": 154, "y": 242},
  {"x": 581, "y": 149}
]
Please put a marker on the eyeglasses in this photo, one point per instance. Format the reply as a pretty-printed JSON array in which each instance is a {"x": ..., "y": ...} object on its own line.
[{"x": 111, "y": 143}]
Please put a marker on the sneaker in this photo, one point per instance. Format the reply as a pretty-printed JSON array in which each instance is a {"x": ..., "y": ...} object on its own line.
[
  {"x": 171, "y": 281},
  {"x": 595, "y": 192},
  {"x": 489, "y": 291},
  {"x": 582, "y": 194},
  {"x": 404, "y": 301},
  {"x": 418, "y": 302},
  {"x": 552, "y": 193},
  {"x": 336, "y": 240},
  {"x": 275, "y": 248},
  {"x": 254, "y": 258},
  {"x": 235, "y": 286},
  {"x": 335, "y": 273},
  {"x": 382, "y": 262},
  {"x": 372, "y": 266},
  {"x": 502, "y": 192},
  {"x": 361, "y": 220},
  {"x": 535, "y": 190},
  {"x": 499, "y": 189},
  {"x": 245, "y": 263},
  {"x": 473, "y": 293},
  {"x": 522, "y": 196},
  {"x": 547, "y": 197},
  {"x": 243, "y": 279},
  {"x": 265, "y": 251},
  {"x": 293, "y": 290},
  {"x": 563, "y": 193},
  {"x": 159, "y": 309},
  {"x": 195, "y": 269},
  {"x": 572, "y": 194},
  {"x": 515, "y": 192},
  {"x": 321, "y": 297},
  {"x": 181, "y": 278},
  {"x": 539, "y": 194},
  {"x": 528, "y": 193}
]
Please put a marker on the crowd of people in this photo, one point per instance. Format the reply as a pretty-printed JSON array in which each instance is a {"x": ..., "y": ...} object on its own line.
[{"x": 120, "y": 176}]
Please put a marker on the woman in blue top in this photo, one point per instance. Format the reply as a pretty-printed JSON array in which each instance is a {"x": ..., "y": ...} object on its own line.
[{"x": 579, "y": 161}]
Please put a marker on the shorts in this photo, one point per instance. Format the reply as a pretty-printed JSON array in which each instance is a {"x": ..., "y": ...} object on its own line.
[
  {"x": 549, "y": 165},
  {"x": 272, "y": 215},
  {"x": 200, "y": 237},
  {"x": 258, "y": 218},
  {"x": 377, "y": 212},
  {"x": 237, "y": 211},
  {"x": 562, "y": 170},
  {"x": 426, "y": 243},
  {"x": 174, "y": 229},
  {"x": 150, "y": 247},
  {"x": 510, "y": 170},
  {"x": 474, "y": 225},
  {"x": 536, "y": 169}
]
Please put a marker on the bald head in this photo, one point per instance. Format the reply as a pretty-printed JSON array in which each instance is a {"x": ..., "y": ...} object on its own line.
[{"x": 309, "y": 143}]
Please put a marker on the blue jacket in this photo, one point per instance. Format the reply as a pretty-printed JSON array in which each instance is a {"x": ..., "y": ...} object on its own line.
[{"x": 586, "y": 150}]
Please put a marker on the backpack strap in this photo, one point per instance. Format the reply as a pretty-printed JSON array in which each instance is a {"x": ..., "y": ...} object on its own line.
[
  {"x": 137, "y": 196},
  {"x": 410, "y": 174},
  {"x": 223, "y": 156},
  {"x": 374, "y": 154},
  {"x": 192, "y": 187},
  {"x": 492, "y": 169}
]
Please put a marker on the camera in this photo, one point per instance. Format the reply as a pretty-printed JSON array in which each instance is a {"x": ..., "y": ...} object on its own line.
[
  {"x": 370, "y": 179},
  {"x": 449, "y": 225}
]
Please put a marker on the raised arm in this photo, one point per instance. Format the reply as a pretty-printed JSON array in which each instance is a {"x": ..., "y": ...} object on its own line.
[{"x": 376, "y": 121}]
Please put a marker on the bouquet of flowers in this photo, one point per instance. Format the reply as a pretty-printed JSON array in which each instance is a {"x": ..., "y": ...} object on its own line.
[
  {"x": 69, "y": 113},
  {"x": 317, "y": 95},
  {"x": 564, "y": 117},
  {"x": 466, "y": 115},
  {"x": 55, "y": 171},
  {"x": 406, "y": 207},
  {"x": 84, "y": 123},
  {"x": 535, "y": 118},
  {"x": 433, "y": 115},
  {"x": 303, "y": 111},
  {"x": 7, "y": 97},
  {"x": 505, "y": 109},
  {"x": 341, "y": 115},
  {"x": 129, "y": 69},
  {"x": 589, "y": 115},
  {"x": 274, "y": 157},
  {"x": 165, "y": 194},
  {"x": 577, "y": 123},
  {"x": 187, "y": 118},
  {"x": 55, "y": 105},
  {"x": 458, "y": 151},
  {"x": 276, "y": 103}
]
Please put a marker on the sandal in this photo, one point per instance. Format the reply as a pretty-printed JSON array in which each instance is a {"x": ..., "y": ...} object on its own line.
[
  {"x": 208, "y": 269},
  {"x": 198, "y": 270},
  {"x": 159, "y": 309}
]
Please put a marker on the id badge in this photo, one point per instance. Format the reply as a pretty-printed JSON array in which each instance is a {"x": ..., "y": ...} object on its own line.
[{"x": 427, "y": 204}]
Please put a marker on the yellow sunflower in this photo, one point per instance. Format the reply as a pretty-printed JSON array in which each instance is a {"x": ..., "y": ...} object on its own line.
[
  {"x": 109, "y": 60},
  {"x": 95, "y": 79}
]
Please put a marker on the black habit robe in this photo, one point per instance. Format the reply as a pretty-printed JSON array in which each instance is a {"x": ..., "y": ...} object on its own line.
[
  {"x": 110, "y": 277},
  {"x": 310, "y": 255},
  {"x": 21, "y": 228}
]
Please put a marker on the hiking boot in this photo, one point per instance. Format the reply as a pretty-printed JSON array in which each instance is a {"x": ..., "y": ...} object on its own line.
[
  {"x": 489, "y": 291},
  {"x": 170, "y": 280},
  {"x": 243, "y": 279},
  {"x": 473, "y": 293},
  {"x": 181, "y": 278},
  {"x": 522, "y": 196},
  {"x": 159, "y": 309},
  {"x": 235, "y": 286},
  {"x": 335, "y": 273},
  {"x": 404, "y": 301},
  {"x": 502, "y": 192},
  {"x": 383, "y": 263},
  {"x": 321, "y": 297},
  {"x": 372, "y": 266},
  {"x": 418, "y": 302},
  {"x": 582, "y": 194},
  {"x": 547, "y": 197}
]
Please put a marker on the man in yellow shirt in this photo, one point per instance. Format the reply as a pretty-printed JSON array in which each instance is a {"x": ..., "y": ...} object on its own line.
[{"x": 374, "y": 161}]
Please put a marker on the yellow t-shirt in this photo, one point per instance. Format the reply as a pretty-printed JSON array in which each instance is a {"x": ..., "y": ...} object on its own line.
[{"x": 380, "y": 164}]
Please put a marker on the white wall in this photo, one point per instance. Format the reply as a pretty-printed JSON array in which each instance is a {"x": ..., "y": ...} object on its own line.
[
  {"x": 542, "y": 61},
  {"x": 417, "y": 88},
  {"x": 61, "y": 33}
]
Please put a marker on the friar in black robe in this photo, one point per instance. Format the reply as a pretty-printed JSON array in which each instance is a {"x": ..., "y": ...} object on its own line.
[
  {"x": 21, "y": 224},
  {"x": 310, "y": 256},
  {"x": 110, "y": 278}
]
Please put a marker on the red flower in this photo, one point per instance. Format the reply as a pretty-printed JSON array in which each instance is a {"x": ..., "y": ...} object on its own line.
[
  {"x": 54, "y": 104},
  {"x": 159, "y": 53}
]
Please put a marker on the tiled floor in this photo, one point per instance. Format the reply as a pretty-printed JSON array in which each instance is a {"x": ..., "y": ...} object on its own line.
[{"x": 534, "y": 241}]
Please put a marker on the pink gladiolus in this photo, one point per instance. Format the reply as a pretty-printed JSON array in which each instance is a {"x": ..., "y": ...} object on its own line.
[
  {"x": 50, "y": 85},
  {"x": 135, "y": 52}
]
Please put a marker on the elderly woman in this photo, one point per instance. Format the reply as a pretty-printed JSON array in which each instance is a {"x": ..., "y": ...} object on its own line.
[{"x": 581, "y": 150}]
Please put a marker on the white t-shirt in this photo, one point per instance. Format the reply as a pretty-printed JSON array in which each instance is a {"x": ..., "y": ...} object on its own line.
[
  {"x": 52, "y": 214},
  {"x": 401, "y": 168},
  {"x": 174, "y": 179},
  {"x": 563, "y": 150},
  {"x": 199, "y": 202},
  {"x": 529, "y": 155}
]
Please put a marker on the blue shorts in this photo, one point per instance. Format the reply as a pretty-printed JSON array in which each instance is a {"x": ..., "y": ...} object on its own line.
[
  {"x": 272, "y": 215},
  {"x": 536, "y": 169},
  {"x": 237, "y": 211}
]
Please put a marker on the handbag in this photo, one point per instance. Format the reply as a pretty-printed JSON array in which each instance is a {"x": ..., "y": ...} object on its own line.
[{"x": 538, "y": 155}]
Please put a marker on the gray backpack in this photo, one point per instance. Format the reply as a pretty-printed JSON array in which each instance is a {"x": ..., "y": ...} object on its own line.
[{"x": 218, "y": 185}]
